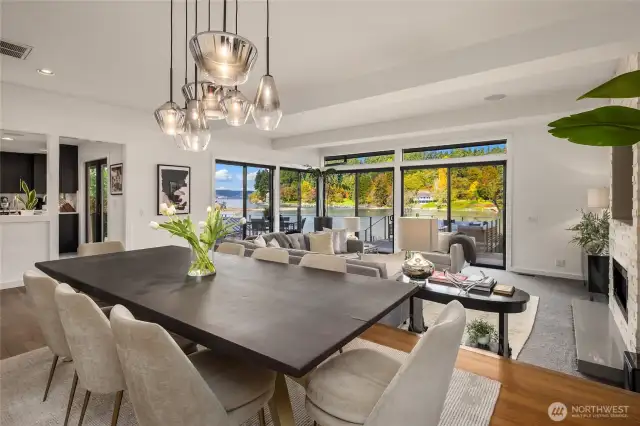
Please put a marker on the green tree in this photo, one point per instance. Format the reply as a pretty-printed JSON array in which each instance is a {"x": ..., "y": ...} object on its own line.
[{"x": 261, "y": 185}]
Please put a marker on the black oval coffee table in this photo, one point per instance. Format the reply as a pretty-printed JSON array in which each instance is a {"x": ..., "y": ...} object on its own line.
[{"x": 502, "y": 305}]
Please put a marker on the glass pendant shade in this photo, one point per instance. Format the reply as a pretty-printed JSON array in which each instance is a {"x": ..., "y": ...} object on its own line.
[
  {"x": 189, "y": 92},
  {"x": 196, "y": 134},
  {"x": 236, "y": 108},
  {"x": 170, "y": 118},
  {"x": 266, "y": 108},
  {"x": 211, "y": 100},
  {"x": 223, "y": 58}
]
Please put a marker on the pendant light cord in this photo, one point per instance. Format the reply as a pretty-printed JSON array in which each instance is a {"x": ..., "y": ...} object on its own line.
[
  {"x": 224, "y": 17},
  {"x": 171, "y": 55},
  {"x": 195, "y": 66},
  {"x": 209, "y": 15},
  {"x": 186, "y": 42},
  {"x": 268, "y": 14},
  {"x": 236, "y": 29}
]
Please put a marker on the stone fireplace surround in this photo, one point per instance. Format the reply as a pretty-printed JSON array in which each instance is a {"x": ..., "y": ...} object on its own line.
[{"x": 624, "y": 237}]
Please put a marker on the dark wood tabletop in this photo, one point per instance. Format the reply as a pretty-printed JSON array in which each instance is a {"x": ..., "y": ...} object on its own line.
[
  {"x": 287, "y": 318},
  {"x": 442, "y": 293}
]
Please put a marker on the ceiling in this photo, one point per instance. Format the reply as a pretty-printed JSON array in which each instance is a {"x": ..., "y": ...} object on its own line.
[
  {"x": 27, "y": 143},
  {"x": 337, "y": 63}
]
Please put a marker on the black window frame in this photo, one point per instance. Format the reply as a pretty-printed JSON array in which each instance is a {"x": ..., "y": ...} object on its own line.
[
  {"x": 450, "y": 166},
  {"x": 454, "y": 146},
  {"x": 357, "y": 190},
  {"x": 345, "y": 157},
  {"x": 244, "y": 166},
  {"x": 300, "y": 172}
]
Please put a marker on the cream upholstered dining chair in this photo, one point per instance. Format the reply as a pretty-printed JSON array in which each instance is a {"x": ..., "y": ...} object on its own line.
[
  {"x": 324, "y": 261},
  {"x": 93, "y": 349},
  {"x": 271, "y": 254},
  {"x": 366, "y": 387},
  {"x": 231, "y": 248},
  {"x": 92, "y": 249},
  {"x": 41, "y": 290},
  {"x": 168, "y": 388}
]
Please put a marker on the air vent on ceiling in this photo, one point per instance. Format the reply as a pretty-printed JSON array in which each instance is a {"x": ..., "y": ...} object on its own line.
[{"x": 15, "y": 50}]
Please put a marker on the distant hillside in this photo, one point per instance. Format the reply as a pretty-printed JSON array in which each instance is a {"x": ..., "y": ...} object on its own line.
[{"x": 229, "y": 193}]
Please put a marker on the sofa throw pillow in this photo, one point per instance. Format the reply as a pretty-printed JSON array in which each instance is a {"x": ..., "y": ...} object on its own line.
[
  {"x": 274, "y": 243},
  {"x": 260, "y": 242},
  {"x": 321, "y": 242},
  {"x": 443, "y": 241},
  {"x": 468, "y": 246},
  {"x": 282, "y": 239},
  {"x": 293, "y": 240},
  {"x": 339, "y": 239}
]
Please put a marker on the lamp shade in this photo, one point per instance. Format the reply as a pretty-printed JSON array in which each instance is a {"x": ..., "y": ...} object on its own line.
[
  {"x": 598, "y": 198},
  {"x": 224, "y": 58},
  {"x": 352, "y": 224},
  {"x": 417, "y": 233},
  {"x": 266, "y": 107}
]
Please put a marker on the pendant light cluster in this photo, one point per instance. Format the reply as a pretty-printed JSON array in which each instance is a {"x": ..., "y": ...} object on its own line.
[{"x": 225, "y": 60}]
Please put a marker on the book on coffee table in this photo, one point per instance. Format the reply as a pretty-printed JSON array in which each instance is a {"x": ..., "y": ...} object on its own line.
[{"x": 440, "y": 278}]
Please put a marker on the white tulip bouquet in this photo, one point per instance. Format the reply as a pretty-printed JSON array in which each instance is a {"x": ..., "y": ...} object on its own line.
[{"x": 213, "y": 229}]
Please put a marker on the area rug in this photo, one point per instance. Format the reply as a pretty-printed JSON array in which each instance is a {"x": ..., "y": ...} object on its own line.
[
  {"x": 520, "y": 325},
  {"x": 470, "y": 399}
]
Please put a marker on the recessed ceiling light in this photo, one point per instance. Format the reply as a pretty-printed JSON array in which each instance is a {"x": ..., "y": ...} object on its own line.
[
  {"x": 496, "y": 97},
  {"x": 7, "y": 138},
  {"x": 45, "y": 71}
]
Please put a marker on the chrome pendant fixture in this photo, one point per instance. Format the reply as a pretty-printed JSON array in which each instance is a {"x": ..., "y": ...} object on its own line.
[
  {"x": 170, "y": 116},
  {"x": 266, "y": 109},
  {"x": 196, "y": 134},
  {"x": 225, "y": 59},
  {"x": 236, "y": 108},
  {"x": 211, "y": 100}
]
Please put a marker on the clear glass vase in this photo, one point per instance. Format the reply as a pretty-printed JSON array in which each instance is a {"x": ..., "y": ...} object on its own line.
[{"x": 201, "y": 263}]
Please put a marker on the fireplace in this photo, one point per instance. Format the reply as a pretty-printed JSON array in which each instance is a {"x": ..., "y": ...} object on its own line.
[{"x": 620, "y": 287}]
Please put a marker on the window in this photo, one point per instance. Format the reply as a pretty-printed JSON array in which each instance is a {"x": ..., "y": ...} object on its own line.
[
  {"x": 455, "y": 151},
  {"x": 366, "y": 158},
  {"x": 245, "y": 190},
  {"x": 298, "y": 200},
  {"x": 367, "y": 194},
  {"x": 467, "y": 198}
]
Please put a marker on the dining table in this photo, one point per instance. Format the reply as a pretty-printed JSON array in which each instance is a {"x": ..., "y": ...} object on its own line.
[{"x": 283, "y": 317}]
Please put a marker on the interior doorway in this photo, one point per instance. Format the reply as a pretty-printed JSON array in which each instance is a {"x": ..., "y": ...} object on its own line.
[{"x": 96, "y": 194}]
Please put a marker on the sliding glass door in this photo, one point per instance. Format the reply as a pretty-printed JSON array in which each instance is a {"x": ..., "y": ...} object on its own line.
[
  {"x": 466, "y": 198},
  {"x": 97, "y": 190},
  {"x": 298, "y": 200},
  {"x": 245, "y": 190},
  {"x": 367, "y": 194}
]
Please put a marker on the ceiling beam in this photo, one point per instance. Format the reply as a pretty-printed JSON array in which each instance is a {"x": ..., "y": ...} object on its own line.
[{"x": 489, "y": 115}]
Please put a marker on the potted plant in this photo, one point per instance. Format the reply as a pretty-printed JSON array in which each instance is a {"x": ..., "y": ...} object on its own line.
[
  {"x": 213, "y": 229},
  {"x": 29, "y": 201},
  {"x": 322, "y": 175},
  {"x": 611, "y": 125},
  {"x": 592, "y": 235},
  {"x": 481, "y": 331}
]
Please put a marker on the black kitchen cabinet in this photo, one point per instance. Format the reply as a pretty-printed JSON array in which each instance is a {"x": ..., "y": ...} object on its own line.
[
  {"x": 13, "y": 167},
  {"x": 69, "y": 228},
  {"x": 68, "y": 169},
  {"x": 40, "y": 173}
]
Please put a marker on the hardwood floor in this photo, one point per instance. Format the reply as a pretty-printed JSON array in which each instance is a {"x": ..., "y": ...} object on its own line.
[
  {"x": 19, "y": 330},
  {"x": 527, "y": 390}
]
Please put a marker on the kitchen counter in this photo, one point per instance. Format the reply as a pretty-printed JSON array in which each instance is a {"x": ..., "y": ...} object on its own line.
[
  {"x": 24, "y": 240},
  {"x": 22, "y": 219}
]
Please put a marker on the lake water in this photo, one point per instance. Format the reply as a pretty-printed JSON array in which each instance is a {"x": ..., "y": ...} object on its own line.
[{"x": 375, "y": 221}]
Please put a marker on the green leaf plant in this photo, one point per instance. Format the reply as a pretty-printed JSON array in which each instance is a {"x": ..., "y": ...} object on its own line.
[
  {"x": 608, "y": 125},
  {"x": 29, "y": 201}
]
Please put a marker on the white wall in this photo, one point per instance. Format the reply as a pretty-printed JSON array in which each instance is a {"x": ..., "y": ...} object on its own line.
[
  {"x": 28, "y": 110},
  {"x": 547, "y": 183},
  {"x": 90, "y": 151}
]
